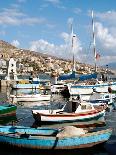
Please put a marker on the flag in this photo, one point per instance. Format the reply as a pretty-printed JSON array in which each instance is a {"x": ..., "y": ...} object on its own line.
[{"x": 97, "y": 56}]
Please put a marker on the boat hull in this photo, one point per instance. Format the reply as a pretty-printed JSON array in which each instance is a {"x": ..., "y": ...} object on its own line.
[
  {"x": 26, "y": 86},
  {"x": 30, "y": 98},
  {"x": 54, "y": 142},
  {"x": 68, "y": 117},
  {"x": 88, "y": 89},
  {"x": 8, "y": 110},
  {"x": 83, "y": 91}
]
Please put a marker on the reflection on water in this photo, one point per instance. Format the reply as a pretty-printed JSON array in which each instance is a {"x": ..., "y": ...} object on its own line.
[
  {"x": 24, "y": 117},
  {"x": 7, "y": 119},
  {"x": 99, "y": 150}
]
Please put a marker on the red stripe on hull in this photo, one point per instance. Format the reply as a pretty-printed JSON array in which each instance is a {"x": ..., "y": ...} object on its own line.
[{"x": 72, "y": 114}]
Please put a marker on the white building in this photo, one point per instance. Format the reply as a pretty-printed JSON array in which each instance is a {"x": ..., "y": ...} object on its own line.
[{"x": 11, "y": 70}]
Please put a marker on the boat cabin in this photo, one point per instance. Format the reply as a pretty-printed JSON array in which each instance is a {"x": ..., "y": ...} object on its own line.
[{"x": 77, "y": 106}]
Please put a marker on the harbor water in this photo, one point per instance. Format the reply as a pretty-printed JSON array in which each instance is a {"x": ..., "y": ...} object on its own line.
[{"x": 24, "y": 118}]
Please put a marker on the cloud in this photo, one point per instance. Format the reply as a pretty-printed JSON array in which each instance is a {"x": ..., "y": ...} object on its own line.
[
  {"x": 64, "y": 50},
  {"x": 70, "y": 20},
  {"x": 105, "y": 32},
  {"x": 15, "y": 43},
  {"x": 13, "y": 16},
  {"x": 65, "y": 36},
  {"x": 56, "y": 3},
  {"x": 2, "y": 32},
  {"x": 77, "y": 10},
  {"x": 42, "y": 46},
  {"x": 53, "y": 1},
  {"x": 106, "y": 39},
  {"x": 108, "y": 16}
]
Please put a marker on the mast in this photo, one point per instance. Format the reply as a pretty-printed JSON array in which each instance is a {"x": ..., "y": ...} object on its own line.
[
  {"x": 94, "y": 41},
  {"x": 72, "y": 46}
]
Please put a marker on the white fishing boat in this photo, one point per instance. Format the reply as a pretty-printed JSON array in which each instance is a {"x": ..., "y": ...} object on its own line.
[
  {"x": 30, "y": 97},
  {"x": 72, "y": 111}
]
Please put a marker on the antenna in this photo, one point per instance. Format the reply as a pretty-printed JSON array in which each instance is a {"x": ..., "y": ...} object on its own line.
[{"x": 94, "y": 41}]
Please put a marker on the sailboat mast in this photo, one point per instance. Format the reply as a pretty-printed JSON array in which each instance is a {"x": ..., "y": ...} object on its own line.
[
  {"x": 72, "y": 46},
  {"x": 94, "y": 41}
]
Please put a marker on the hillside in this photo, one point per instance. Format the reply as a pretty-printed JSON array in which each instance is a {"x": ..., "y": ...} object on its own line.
[
  {"x": 38, "y": 61},
  {"x": 6, "y": 45},
  {"x": 13, "y": 51}
]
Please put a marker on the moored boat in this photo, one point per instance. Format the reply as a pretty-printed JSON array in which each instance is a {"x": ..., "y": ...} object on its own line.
[
  {"x": 98, "y": 98},
  {"x": 90, "y": 88},
  {"x": 64, "y": 138},
  {"x": 72, "y": 111},
  {"x": 7, "y": 110},
  {"x": 30, "y": 97}
]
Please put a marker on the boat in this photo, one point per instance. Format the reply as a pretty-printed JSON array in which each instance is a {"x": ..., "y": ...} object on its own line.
[
  {"x": 26, "y": 84},
  {"x": 79, "y": 89},
  {"x": 32, "y": 131},
  {"x": 7, "y": 110},
  {"x": 35, "y": 83},
  {"x": 30, "y": 97},
  {"x": 100, "y": 98},
  {"x": 104, "y": 87},
  {"x": 72, "y": 111},
  {"x": 64, "y": 138},
  {"x": 88, "y": 87}
]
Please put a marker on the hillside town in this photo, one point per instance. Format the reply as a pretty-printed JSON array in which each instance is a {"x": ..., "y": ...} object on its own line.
[{"x": 34, "y": 62}]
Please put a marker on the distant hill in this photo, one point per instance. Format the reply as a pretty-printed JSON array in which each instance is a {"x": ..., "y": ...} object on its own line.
[
  {"x": 6, "y": 47},
  {"x": 37, "y": 60},
  {"x": 4, "y": 44}
]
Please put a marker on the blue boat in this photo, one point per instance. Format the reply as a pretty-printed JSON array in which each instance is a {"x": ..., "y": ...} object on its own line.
[
  {"x": 44, "y": 138},
  {"x": 32, "y": 131}
]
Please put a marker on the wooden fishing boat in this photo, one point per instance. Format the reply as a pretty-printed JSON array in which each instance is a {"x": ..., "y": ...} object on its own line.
[
  {"x": 30, "y": 97},
  {"x": 28, "y": 130},
  {"x": 72, "y": 111},
  {"x": 7, "y": 110},
  {"x": 43, "y": 138}
]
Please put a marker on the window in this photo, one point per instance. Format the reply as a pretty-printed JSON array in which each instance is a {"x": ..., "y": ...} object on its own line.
[{"x": 107, "y": 96}]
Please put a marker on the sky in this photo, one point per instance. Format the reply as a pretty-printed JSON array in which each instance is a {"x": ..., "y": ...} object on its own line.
[{"x": 45, "y": 26}]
